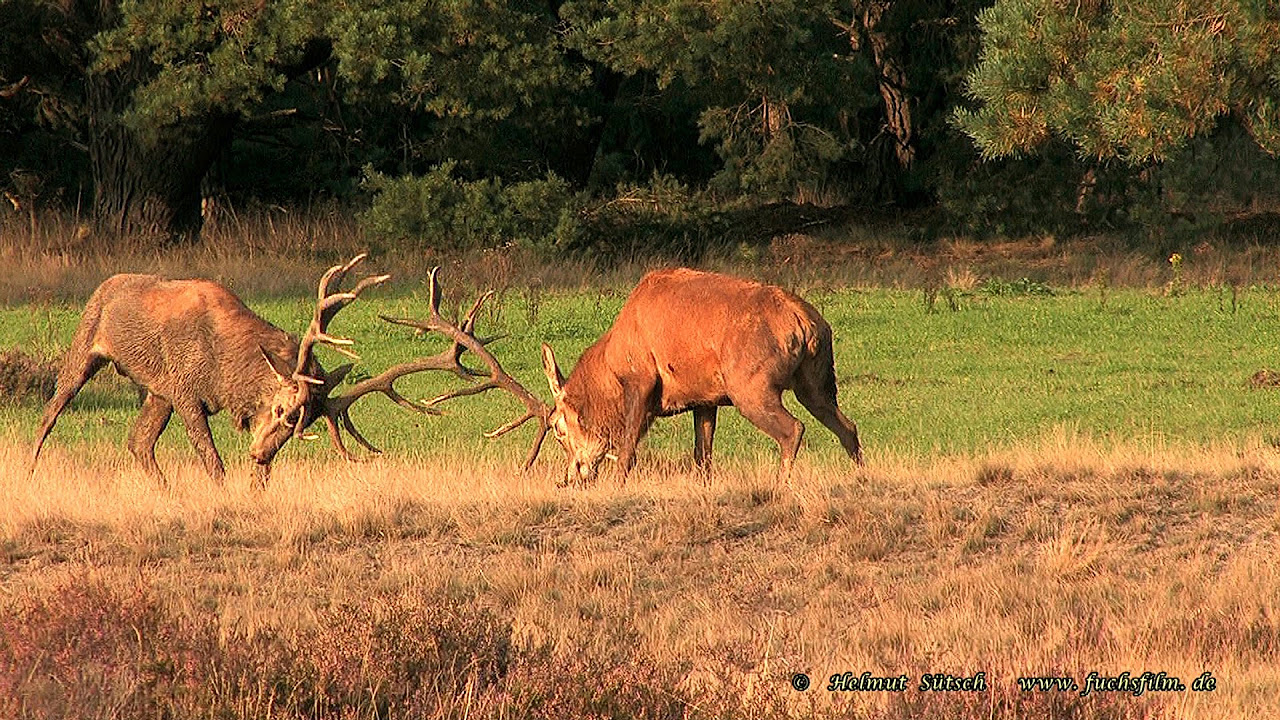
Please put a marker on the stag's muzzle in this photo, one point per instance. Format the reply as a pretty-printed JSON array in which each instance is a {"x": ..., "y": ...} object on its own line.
[{"x": 583, "y": 472}]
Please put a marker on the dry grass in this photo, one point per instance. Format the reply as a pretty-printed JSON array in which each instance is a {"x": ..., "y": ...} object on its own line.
[
  {"x": 273, "y": 251},
  {"x": 270, "y": 253},
  {"x": 1061, "y": 558}
]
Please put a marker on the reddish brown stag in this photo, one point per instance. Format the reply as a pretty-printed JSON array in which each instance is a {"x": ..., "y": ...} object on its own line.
[
  {"x": 695, "y": 341},
  {"x": 684, "y": 341},
  {"x": 196, "y": 349}
]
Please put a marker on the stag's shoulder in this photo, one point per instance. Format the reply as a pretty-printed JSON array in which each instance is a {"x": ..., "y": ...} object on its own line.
[
  {"x": 139, "y": 282},
  {"x": 745, "y": 292},
  {"x": 126, "y": 280},
  {"x": 121, "y": 287}
]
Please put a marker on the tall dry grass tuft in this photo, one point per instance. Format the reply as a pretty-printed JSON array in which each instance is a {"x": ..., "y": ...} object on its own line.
[{"x": 271, "y": 251}]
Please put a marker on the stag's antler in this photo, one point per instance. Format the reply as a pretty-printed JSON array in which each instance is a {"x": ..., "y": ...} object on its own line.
[
  {"x": 464, "y": 338},
  {"x": 328, "y": 303},
  {"x": 337, "y": 409}
]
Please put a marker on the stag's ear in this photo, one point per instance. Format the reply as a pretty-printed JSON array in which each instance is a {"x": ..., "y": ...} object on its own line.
[
  {"x": 554, "y": 378},
  {"x": 334, "y": 378},
  {"x": 281, "y": 371}
]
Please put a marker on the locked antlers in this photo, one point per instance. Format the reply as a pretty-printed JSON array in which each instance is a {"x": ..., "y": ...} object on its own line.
[
  {"x": 464, "y": 338},
  {"x": 336, "y": 410}
]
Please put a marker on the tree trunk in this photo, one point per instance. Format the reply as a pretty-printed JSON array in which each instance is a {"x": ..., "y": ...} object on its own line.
[
  {"x": 775, "y": 116},
  {"x": 146, "y": 182},
  {"x": 890, "y": 76}
]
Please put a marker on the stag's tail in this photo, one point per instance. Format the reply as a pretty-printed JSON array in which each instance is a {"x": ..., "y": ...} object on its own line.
[{"x": 80, "y": 364}]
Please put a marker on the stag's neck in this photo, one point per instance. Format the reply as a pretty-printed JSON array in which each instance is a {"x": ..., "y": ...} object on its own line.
[
  {"x": 247, "y": 390},
  {"x": 596, "y": 392}
]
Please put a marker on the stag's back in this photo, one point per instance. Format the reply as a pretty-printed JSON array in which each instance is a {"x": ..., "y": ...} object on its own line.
[
  {"x": 183, "y": 337},
  {"x": 703, "y": 332}
]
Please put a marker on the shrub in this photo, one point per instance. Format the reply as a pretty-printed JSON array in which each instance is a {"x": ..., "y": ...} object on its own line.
[
  {"x": 663, "y": 217},
  {"x": 24, "y": 377},
  {"x": 94, "y": 648},
  {"x": 439, "y": 210}
]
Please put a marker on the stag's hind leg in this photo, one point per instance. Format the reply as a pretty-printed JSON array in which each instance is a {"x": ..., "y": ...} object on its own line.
[
  {"x": 151, "y": 422},
  {"x": 815, "y": 386},
  {"x": 766, "y": 411},
  {"x": 74, "y": 374},
  {"x": 819, "y": 398}
]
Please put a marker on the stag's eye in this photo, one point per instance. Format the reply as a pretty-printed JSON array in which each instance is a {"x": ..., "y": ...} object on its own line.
[{"x": 281, "y": 413}]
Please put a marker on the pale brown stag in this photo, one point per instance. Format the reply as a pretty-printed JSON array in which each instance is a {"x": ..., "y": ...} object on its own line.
[
  {"x": 196, "y": 349},
  {"x": 687, "y": 340}
]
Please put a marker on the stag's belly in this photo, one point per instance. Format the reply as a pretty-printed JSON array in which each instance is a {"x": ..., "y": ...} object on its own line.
[{"x": 684, "y": 388}]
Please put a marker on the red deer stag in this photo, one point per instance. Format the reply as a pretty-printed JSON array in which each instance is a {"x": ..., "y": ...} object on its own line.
[
  {"x": 684, "y": 341},
  {"x": 690, "y": 340},
  {"x": 196, "y": 349}
]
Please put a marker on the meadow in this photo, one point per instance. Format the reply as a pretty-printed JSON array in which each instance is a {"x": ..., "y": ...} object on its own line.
[{"x": 1069, "y": 474}]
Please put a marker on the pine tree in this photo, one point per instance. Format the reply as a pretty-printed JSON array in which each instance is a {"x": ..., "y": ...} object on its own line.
[{"x": 1134, "y": 80}]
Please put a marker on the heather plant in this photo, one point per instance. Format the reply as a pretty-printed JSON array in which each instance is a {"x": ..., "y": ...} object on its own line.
[{"x": 113, "y": 645}]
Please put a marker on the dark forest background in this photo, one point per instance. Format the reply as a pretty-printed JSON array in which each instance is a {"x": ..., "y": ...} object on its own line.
[{"x": 595, "y": 125}]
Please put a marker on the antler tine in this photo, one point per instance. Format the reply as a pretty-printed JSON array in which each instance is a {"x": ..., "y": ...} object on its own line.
[
  {"x": 351, "y": 428},
  {"x": 338, "y": 409},
  {"x": 385, "y": 382},
  {"x": 335, "y": 275},
  {"x": 535, "y": 408},
  {"x": 328, "y": 303},
  {"x": 448, "y": 360},
  {"x": 434, "y": 293},
  {"x": 335, "y": 435},
  {"x": 333, "y": 302}
]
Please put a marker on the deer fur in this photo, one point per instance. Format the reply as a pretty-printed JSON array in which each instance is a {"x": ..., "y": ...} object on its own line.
[
  {"x": 687, "y": 340},
  {"x": 196, "y": 350}
]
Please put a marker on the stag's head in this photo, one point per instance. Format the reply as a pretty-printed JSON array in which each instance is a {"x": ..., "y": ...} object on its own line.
[
  {"x": 585, "y": 446},
  {"x": 302, "y": 393},
  {"x": 294, "y": 407}
]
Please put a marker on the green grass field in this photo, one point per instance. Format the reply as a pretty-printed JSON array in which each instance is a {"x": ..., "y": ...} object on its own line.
[{"x": 968, "y": 374}]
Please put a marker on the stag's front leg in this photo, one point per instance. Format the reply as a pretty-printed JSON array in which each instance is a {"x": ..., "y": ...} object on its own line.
[
  {"x": 151, "y": 422},
  {"x": 197, "y": 425},
  {"x": 635, "y": 421},
  {"x": 262, "y": 474},
  {"x": 704, "y": 432}
]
